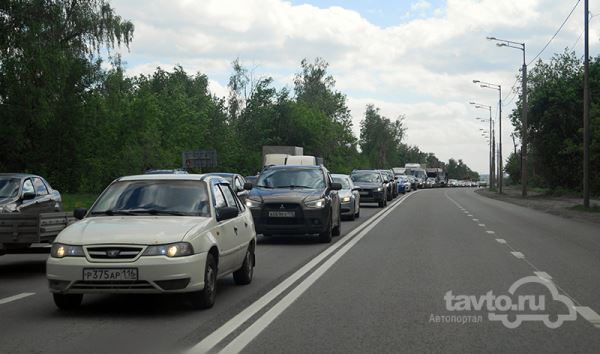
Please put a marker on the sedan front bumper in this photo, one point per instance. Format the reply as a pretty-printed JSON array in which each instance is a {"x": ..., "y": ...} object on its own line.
[{"x": 156, "y": 274}]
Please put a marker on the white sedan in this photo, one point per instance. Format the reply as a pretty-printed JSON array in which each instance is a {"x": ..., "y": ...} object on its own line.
[{"x": 155, "y": 234}]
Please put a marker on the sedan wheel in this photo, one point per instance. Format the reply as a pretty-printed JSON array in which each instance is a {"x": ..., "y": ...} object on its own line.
[
  {"x": 243, "y": 276},
  {"x": 206, "y": 297},
  {"x": 67, "y": 301}
]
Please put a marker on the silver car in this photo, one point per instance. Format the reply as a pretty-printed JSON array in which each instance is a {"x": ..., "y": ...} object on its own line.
[{"x": 349, "y": 197}]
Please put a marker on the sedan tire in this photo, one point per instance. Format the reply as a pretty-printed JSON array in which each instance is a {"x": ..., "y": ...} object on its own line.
[
  {"x": 243, "y": 276},
  {"x": 206, "y": 297},
  {"x": 67, "y": 301},
  {"x": 325, "y": 236}
]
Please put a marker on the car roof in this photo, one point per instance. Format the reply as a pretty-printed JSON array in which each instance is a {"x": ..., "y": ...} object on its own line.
[
  {"x": 278, "y": 167},
  {"x": 170, "y": 177},
  {"x": 339, "y": 175},
  {"x": 18, "y": 175}
]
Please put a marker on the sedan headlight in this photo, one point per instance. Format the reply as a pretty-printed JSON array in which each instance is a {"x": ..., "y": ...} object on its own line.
[
  {"x": 379, "y": 189},
  {"x": 253, "y": 203},
  {"x": 346, "y": 200},
  {"x": 59, "y": 250},
  {"x": 316, "y": 203},
  {"x": 179, "y": 249}
]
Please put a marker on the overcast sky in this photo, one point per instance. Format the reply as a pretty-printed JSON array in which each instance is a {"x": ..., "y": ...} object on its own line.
[{"x": 417, "y": 58}]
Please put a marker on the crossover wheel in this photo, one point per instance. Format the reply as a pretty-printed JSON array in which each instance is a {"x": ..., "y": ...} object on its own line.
[
  {"x": 336, "y": 231},
  {"x": 325, "y": 236}
]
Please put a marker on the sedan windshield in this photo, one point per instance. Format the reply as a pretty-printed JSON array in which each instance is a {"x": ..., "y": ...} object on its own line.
[
  {"x": 371, "y": 177},
  {"x": 158, "y": 197},
  {"x": 292, "y": 178},
  {"x": 9, "y": 187}
]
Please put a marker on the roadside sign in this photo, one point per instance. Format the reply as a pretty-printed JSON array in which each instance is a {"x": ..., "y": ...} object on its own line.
[{"x": 199, "y": 159}]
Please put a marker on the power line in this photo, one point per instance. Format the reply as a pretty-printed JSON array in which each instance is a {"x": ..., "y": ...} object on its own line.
[
  {"x": 556, "y": 33},
  {"x": 581, "y": 34}
]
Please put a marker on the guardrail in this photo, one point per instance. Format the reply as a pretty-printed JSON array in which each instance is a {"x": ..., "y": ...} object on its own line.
[{"x": 32, "y": 228}]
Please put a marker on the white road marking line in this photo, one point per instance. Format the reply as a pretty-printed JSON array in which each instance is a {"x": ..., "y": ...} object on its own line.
[
  {"x": 482, "y": 225},
  {"x": 213, "y": 339},
  {"x": 490, "y": 232},
  {"x": 14, "y": 298},
  {"x": 543, "y": 275},
  {"x": 518, "y": 255},
  {"x": 469, "y": 215},
  {"x": 589, "y": 315},
  {"x": 501, "y": 240},
  {"x": 476, "y": 220}
]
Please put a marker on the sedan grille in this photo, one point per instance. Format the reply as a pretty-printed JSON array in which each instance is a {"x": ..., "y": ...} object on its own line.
[{"x": 113, "y": 252}]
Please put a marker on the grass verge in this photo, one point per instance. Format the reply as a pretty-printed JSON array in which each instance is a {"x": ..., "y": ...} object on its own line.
[{"x": 78, "y": 200}]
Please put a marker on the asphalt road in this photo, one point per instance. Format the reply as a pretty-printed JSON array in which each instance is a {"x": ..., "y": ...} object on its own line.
[{"x": 381, "y": 287}]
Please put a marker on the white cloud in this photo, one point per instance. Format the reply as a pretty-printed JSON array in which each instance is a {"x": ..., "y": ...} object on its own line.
[{"x": 422, "y": 67}]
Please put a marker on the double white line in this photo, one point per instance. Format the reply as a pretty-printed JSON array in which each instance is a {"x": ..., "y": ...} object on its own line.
[{"x": 238, "y": 343}]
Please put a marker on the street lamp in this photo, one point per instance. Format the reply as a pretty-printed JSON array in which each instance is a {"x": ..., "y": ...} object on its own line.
[
  {"x": 492, "y": 140},
  {"x": 521, "y": 47},
  {"x": 498, "y": 88}
]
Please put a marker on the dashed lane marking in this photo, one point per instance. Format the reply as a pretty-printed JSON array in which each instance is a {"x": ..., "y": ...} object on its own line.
[
  {"x": 519, "y": 255},
  {"x": 15, "y": 298}
]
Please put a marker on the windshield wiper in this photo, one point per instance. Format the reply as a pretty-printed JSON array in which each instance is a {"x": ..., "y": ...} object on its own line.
[
  {"x": 110, "y": 212},
  {"x": 158, "y": 212},
  {"x": 294, "y": 186}
]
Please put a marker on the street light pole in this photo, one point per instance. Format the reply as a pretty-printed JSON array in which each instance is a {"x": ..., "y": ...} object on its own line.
[
  {"x": 525, "y": 108},
  {"x": 497, "y": 87},
  {"x": 492, "y": 143}
]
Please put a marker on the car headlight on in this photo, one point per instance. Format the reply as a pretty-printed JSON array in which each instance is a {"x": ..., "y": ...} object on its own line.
[
  {"x": 253, "y": 203},
  {"x": 346, "y": 200},
  {"x": 316, "y": 203},
  {"x": 59, "y": 250},
  {"x": 379, "y": 189},
  {"x": 179, "y": 249}
]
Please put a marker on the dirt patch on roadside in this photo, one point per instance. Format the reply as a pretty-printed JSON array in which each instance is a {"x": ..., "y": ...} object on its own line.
[{"x": 561, "y": 206}]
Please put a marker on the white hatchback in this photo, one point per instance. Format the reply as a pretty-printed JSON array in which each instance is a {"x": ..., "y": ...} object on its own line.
[{"x": 155, "y": 234}]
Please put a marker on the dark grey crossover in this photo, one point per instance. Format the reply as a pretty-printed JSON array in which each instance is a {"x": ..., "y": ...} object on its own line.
[{"x": 296, "y": 200}]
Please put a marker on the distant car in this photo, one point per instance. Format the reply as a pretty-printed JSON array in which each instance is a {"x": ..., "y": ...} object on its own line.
[
  {"x": 154, "y": 234},
  {"x": 349, "y": 196},
  {"x": 299, "y": 200},
  {"x": 27, "y": 193},
  {"x": 392, "y": 185},
  {"x": 166, "y": 172},
  {"x": 237, "y": 182},
  {"x": 373, "y": 188},
  {"x": 403, "y": 183},
  {"x": 413, "y": 182},
  {"x": 430, "y": 182},
  {"x": 452, "y": 183}
]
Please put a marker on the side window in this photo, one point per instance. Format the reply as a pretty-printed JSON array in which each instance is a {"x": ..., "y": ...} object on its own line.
[
  {"x": 218, "y": 195},
  {"x": 229, "y": 196},
  {"x": 28, "y": 186},
  {"x": 40, "y": 187}
]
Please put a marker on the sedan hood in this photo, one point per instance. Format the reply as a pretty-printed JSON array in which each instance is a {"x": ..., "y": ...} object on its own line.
[
  {"x": 4, "y": 201},
  {"x": 143, "y": 230},
  {"x": 278, "y": 195},
  {"x": 367, "y": 185}
]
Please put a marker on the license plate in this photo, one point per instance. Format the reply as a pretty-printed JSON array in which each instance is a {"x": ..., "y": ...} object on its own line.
[
  {"x": 364, "y": 193},
  {"x": 111, "y": 274},
  {"x": 282, "y": 214}
]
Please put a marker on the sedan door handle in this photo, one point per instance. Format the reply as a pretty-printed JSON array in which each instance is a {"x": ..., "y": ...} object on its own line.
[{"x": 235, "y": 229}]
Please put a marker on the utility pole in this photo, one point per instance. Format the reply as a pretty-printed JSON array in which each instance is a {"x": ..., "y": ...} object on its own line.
[
  {"x": 500, "y": 169},
  {"x": 586, "y": 110},
  {"x": 524, "y": 130}
]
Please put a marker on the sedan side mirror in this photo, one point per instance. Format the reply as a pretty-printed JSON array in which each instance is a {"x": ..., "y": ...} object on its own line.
[
  {"x": 226, "y": 213},
  {"x": 28, "y": 195},
  {"x": 79, "y": 213},
  {"x": 336, "y": 186},
  {"x": 248, "y": 186}
]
